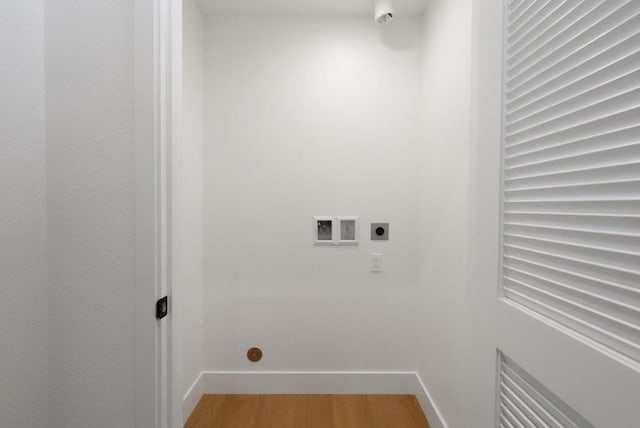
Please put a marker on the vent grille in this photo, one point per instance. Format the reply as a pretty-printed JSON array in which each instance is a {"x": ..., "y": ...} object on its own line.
[
  {"x": 524, "y": 402},
  {"x": 571, "y": 222}
]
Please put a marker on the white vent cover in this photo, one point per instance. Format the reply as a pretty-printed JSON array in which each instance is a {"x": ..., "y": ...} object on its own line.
[
  {"x": 571, "y": 248},
  {"x": 524, "y": 402}
]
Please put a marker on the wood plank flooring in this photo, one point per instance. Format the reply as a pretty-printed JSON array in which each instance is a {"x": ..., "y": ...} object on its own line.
[{"x": 307, "y": 411}]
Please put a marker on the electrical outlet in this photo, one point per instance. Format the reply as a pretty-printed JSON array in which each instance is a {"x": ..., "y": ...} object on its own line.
[{"x": 379, "y": 231}]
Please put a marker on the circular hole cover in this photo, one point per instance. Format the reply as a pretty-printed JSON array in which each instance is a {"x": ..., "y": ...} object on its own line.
[
  {"x": 380, "y": 231},
  {"x": 254, "y": 354}
]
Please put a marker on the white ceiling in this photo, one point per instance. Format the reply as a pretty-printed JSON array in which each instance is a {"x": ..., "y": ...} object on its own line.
[{"x": 305, "y": 7}]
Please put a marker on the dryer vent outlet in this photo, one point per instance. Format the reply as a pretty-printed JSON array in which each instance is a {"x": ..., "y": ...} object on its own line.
[{"x": 254, "y": 355}]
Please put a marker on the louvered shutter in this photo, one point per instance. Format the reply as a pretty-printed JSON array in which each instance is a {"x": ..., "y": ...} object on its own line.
[
  {"x": 571, "y": 212},
  {"x": 524, "y": 402}
]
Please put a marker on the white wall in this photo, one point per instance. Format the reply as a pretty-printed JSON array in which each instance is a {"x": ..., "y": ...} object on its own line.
[
  {"x": 188, "y": 245},
  {"x": 89, "y": 77},
  {"x": 444, "y": 206},
  {"x": 23, "y": 288},
  {"x": 309, "y": 116}
]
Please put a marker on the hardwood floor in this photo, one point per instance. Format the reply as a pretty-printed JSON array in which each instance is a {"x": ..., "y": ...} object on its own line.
[{"x": 307, "y": 411}]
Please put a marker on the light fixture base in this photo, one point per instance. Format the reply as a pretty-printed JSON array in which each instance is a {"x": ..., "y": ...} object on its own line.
[{"x": 383, "y": 11}]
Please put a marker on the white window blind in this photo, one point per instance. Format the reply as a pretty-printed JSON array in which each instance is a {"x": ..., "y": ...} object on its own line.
[
  {"x": 571, "y": 244},
  {"x": 524, "y": 402}
]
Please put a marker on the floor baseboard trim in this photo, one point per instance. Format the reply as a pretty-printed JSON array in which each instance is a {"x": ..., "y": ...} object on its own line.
[
  {"x": 285, "y": 382},
  {"x": 312, "y": 382},
  {"x": 429, "y": 406},
  {"x": 192, "y": 397}
]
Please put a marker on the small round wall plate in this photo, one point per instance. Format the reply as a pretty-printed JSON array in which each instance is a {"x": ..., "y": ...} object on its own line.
[{"x": 254, "y": 355}]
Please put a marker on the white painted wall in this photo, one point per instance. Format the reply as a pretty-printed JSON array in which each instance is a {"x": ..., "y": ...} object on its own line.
[
  {"x": 23, "y": 217},
  {"x": 89, "y": 78},
  {"x": 310, "y": 116},
  {"x": 189, "y": 195},
  {"x": 444, "y": 207}
]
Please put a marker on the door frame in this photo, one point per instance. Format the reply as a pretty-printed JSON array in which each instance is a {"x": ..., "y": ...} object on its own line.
[{"x": 157, "y": 50}]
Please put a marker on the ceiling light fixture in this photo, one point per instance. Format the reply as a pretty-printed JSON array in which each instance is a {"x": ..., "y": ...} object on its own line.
[{"x": 383, "y": 11}]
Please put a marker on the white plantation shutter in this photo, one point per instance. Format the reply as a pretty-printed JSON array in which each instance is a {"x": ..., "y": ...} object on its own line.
[
  {"x": 572, "y": 166},
  {"x": 525, "y": 402}
]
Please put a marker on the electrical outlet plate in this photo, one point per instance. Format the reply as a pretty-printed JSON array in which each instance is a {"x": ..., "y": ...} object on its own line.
[
  {"x": 348, "y": 230},
  {"x": 332, "y": 230},
  {"x": 324, "y": 230},
  {"x": 379, "y": 231}
]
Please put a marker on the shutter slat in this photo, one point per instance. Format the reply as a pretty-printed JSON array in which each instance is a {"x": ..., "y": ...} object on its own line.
[
  {"x": 617, "y": 240},
  {"x": 618, "y": 326},
  {"x": 616, "y": 29},
  {"x": 627, "y": 292},
  {"x": 608, "y": 124},
  {"x": 584, "y": 85},
  {"x": 577, "y": 259},
  {"x": 521, "y": 9},
  {"x": 559, "y": 413},
  {"x": 520, "y": 395},
  {"x": 615, "y": 226},
  {"x": 571, "y": 173},
  {"x": 578, "y": 322},
  {"x": 506, "y": 411},
  {"x": 598, "y": 95},
  {"x": 542, "y": 150},
  {"x": 618, "y": 261},
  {"x": 562, "y": 31},
  {"x": 547, "y": 83},
  {"x": 572, "y": 160},
  {"x": 511, "y": 371},
  {"x": 587, "y": 184},
  {"x": 513, "y": 4},
  {"x": 619, "y": 256},
  {"x": 626, "y": 280},
  {"x": 607, "y": 209},
  {"x": 615, "y": 190},
  {"x": 556, "y": 176},
  {"x": 516, "y": 412},
  {"x": 516, "y": 26},
  {"x": 532, "y": 19},
  {"x": 532, "y": 420},
  {"x": 627, "y": 312},
  {"x": 609, "y": 24},
  {"x": 622, "y": 103},
  {"x": 542, "y": 415},
  {"x": 505, "y": 423}
]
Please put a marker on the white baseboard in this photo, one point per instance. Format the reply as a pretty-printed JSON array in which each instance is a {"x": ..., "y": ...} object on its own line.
[
  {"x": 429, "y": 406},
  {"x": 192, "y": 397},
  {"x": 285, "y": 382},
  {"x": 310, "y": 383}
]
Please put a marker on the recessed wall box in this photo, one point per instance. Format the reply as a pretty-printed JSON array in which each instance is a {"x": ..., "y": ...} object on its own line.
[
  {"x": 324, "y": 230},
  {"x": 348, "y": 230},
  {"x": 379, "y": 231}
]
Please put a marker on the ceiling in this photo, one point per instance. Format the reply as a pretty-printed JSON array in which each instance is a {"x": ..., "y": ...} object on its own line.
[{"x": 305, "y": 7}]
